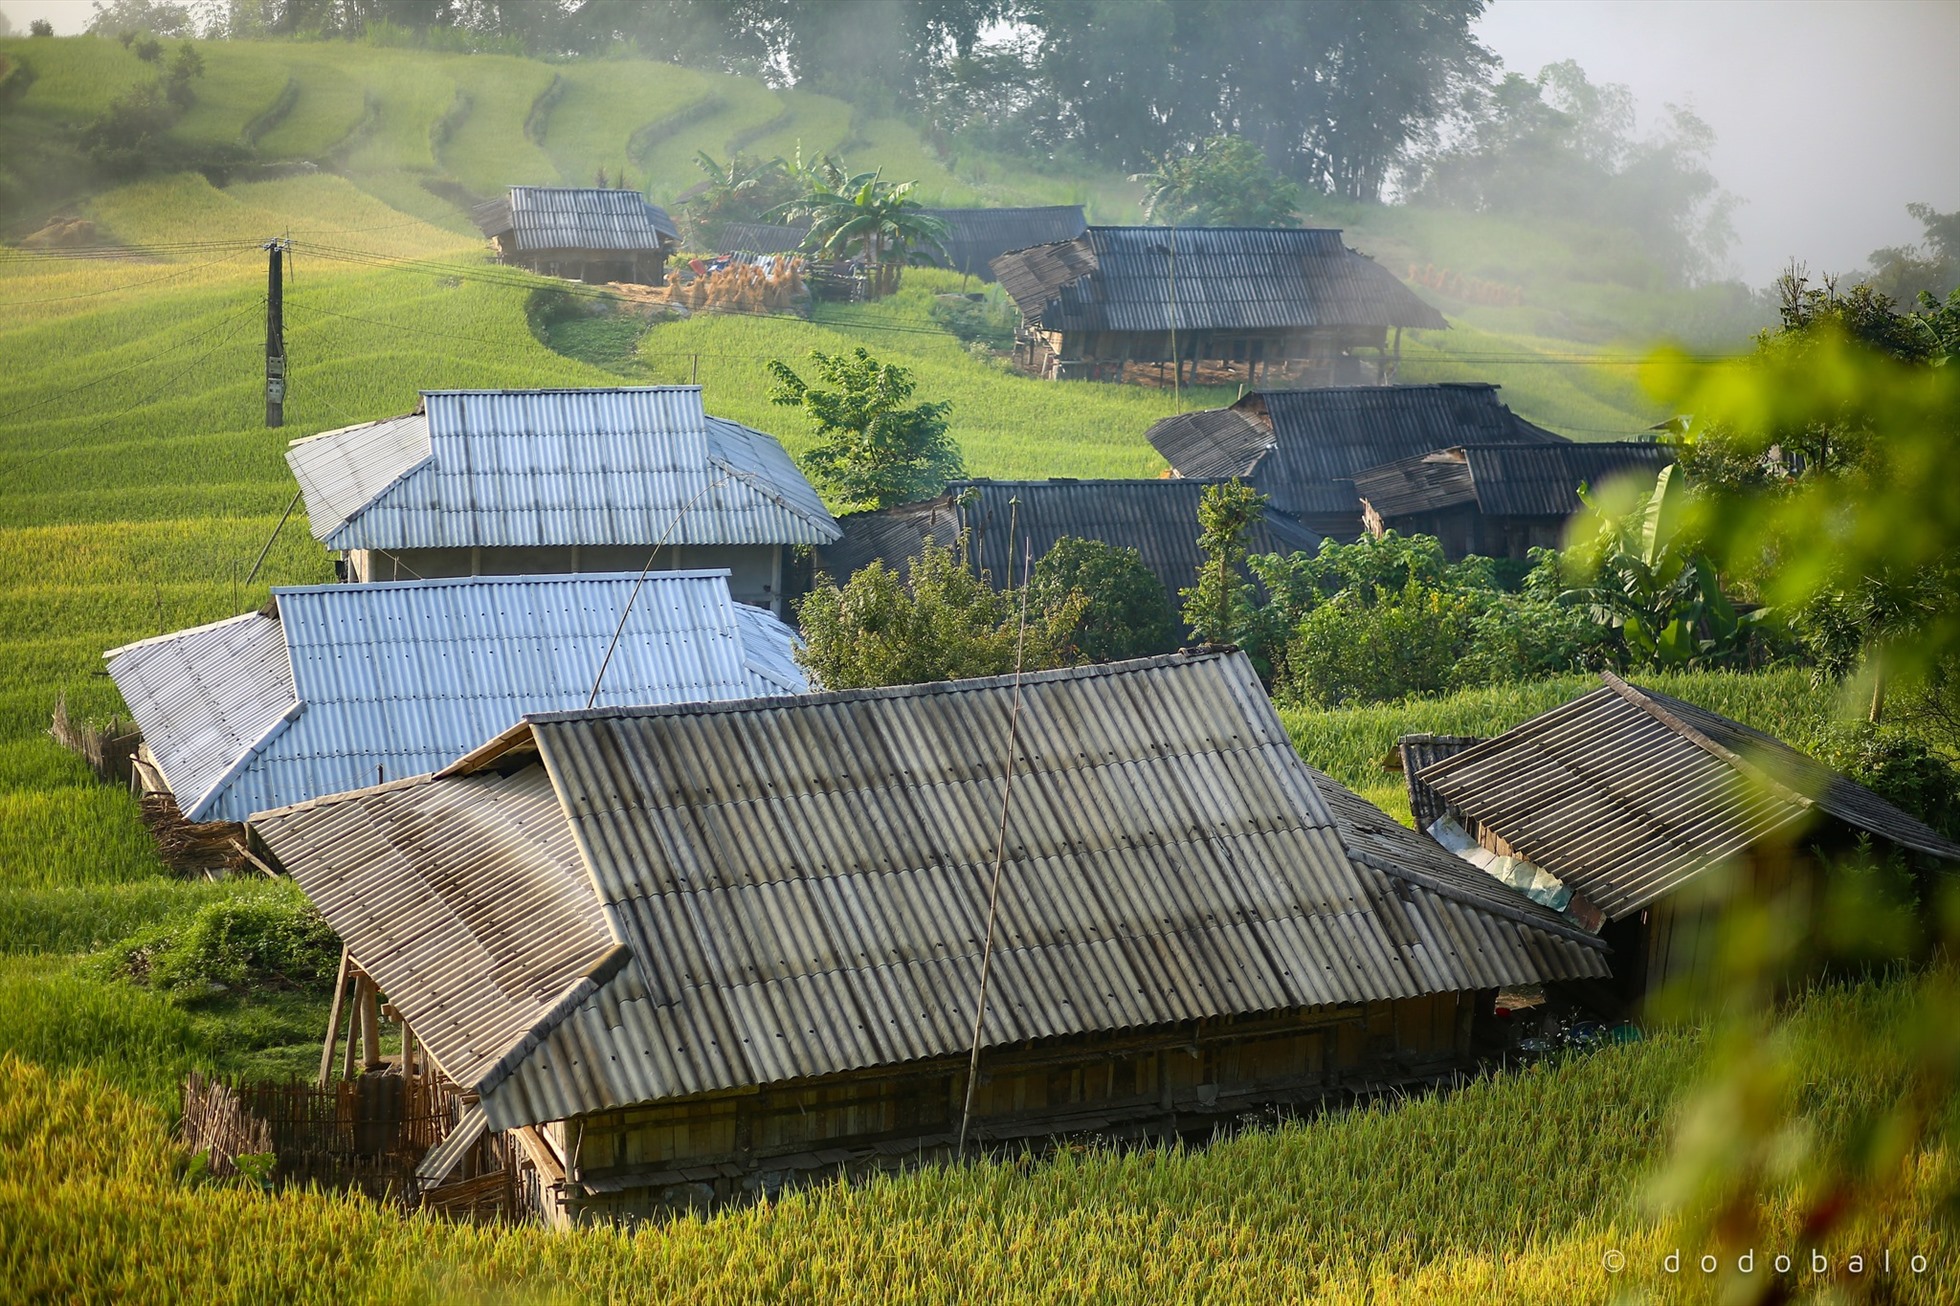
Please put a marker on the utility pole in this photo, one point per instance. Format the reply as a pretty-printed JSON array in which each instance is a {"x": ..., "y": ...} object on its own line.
[{"x": 275, "y": 334}]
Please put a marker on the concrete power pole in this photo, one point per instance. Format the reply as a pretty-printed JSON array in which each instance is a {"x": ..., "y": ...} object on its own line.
[{"x": 275, "y": 335}]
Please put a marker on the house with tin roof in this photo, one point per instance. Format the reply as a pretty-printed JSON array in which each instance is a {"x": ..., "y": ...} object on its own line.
[
  {"x": 1251, "y": 298},
  {"x": 336, "y": 687},
  {"x": 550, "y": 482},
  {"x": 1303, "y": 448},
  {"x": 581, "y": 233},
  {"x": 698, "y": 952},
  {"x": 1639, "y": 816},
  {"x": 1498, "y": 500}
]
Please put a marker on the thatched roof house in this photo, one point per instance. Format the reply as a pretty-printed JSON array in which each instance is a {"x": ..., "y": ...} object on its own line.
[
  {"x": 487, "y": 482},
  {"x": 581, "y": 233},
  {"x": 707, "y": 949},
  {"x": 1250, "y": 296},
  {"x": 1498, "y": 500},
  {"x": 1305, "y": 447}
]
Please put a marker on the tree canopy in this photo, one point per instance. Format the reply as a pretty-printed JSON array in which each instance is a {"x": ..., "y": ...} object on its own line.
[{"x": 873, "y": 450}]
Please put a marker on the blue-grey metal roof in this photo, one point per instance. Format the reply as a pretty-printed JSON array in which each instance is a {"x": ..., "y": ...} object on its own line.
[
  {"x": 541, "y": 218},
  {"x": 1206, "y": 279},
  {"x": 1517, "y": 480},
  {"x": 356, "y": 683},
  {"x": 1157, "y": 518},
  {"x": 976, "y": 237},
  {"x": 798, "y": 887},
  {"x": 760, "y": 238},
  {"x": 1304, "y": 447},
  {"x": 628, "y": 465}
]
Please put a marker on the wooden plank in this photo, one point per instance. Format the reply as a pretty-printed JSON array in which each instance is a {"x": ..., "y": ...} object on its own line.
[{"x": 333, "y": 1018}]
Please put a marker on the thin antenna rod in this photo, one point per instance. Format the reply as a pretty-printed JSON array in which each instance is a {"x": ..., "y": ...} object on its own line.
[
  {"x": 627, "y": 611},
  {"x": 1000, "y": 859}
]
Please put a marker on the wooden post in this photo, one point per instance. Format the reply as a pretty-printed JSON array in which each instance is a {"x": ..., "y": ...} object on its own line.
[
  {"x": 333, "y": 1019},
  {"x": 369, "y": 1000},
  {"x": 353, "y": 1037}
]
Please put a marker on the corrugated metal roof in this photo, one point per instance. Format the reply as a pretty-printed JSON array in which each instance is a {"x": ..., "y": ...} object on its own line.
[
  {"x": 1157, "y": 518},
  {"x": 801, "y": 885},
  {"x": 975, "y": 237},
  {"x": 486, "y": 920},
  {"x": 359, "y": 682},
  {"x": 631, "y": 465},
  {"x": 1535, "y": 480},
  {"x": 760, "y": 238},
  {"x": 577, "y": 218},
  {"x": 1419, "y": 751},
  {"x": 1626, "y": 794},
  {"x": 205, "y": 697},
  {"x": 1226, "y": 278},
  {"x": 1314, "y": 442}
]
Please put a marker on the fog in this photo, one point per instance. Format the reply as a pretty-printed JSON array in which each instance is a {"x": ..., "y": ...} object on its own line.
[{"x": 1829, "y": 117}]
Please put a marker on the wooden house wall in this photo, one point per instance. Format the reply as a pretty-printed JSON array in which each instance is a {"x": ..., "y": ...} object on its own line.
[
  {"x": 755, "y": 571},
  {"x": 644, "y": 268},
  {"x": 645, "y": 1160}
]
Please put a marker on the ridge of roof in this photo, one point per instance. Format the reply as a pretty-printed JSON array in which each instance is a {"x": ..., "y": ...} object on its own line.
[{"x": 1639, "y": 698}]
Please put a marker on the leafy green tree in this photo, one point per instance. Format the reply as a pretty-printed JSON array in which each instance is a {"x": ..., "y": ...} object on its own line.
[
  {"x": 744, "y": 189},
  {"x": 141, "y": 17},
  {"x": 938, "y": 622},
  {"x": 1375, "y": 647},
  {"x": 873, "y": 449},
  {"x": 1905, "y": 272},
  {"x": 1225, "y": 182},
  {"x": 1125, "y": 611},
  {"x": 1221, "y": 608},
  {"x": 861, "y": 213}
]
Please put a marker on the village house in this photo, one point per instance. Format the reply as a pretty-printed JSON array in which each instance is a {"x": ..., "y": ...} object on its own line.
[
  {"x": 695, "y": 953},
  {"x": 974, "y": 237},
  {"x": 335, "y": 687},
  {"x": 548, "y": 482},
  {"x": 581, "y": 233},
  {"x": 1157, "y": 518},
  {"x": 1303, "y": 448},
  {"x": 1497, "y": 500},
  {"x": 1617, "y": 807},
  {"x": 1253, "y": 298}
]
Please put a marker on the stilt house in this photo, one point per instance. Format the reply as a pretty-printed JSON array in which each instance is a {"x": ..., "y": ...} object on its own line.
[
  {"x": 1303, "y": 448},
  {"x": 1497, "y": 500},
  {"x": 1618, "y": 806},
  {"x": 1251, "y": 297},
  {"x": 334, "y": 687},
  {"x": 705, "y": 952},
  {"x": 548, "y": 482},
  {"x": 581, "y": 233}
]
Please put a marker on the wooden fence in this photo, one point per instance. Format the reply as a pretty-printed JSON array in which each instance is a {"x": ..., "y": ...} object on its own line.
[{"x": 106, "y": 749}]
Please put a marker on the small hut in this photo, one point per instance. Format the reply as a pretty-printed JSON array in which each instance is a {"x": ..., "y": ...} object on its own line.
[
  {"x": 1303, "y": 448},
  {"x": 707, "y": 952},
  {"x": 1616, "y": 807},
  {"x": 581, "y": 233},
  {"x": 1500, "y": 501},
  {"x": 547, "y": 482},
  {"x": 1251, "y": 298}
]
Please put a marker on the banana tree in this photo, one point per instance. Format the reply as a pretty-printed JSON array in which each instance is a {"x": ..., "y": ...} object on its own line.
[{"x": 849, "y": 214}]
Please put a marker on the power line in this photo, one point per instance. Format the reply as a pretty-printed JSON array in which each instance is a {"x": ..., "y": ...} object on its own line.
[{"x": 132, "y": 285}]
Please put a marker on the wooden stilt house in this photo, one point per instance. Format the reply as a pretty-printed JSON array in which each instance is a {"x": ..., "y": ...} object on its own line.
[{"x": 581, "y": 233}]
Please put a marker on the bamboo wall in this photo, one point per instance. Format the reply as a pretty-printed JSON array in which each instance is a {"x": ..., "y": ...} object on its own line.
[{"x": 707, "y": 1151}]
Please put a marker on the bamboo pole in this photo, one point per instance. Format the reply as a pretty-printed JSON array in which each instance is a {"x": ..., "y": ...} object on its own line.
[
  {"x": 369, "y": 1000},
  {"x": 333, "y": 1020}
]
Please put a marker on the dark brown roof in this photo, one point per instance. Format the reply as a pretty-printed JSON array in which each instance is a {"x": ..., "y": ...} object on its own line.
[
  {"x": 1535, "y": 480},
  {"x": 1304, "y": 447},
  {"x": 1419, "y": 751},
  {"x": 1626, "y": 794},
  {"x": 1225, "y": 278},
  {"x": 1157, "y": 518}
]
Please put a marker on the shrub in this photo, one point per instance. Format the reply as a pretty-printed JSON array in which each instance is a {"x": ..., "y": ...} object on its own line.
[
  {"x": 1353, "y": 650},
  {"x": 1523, "y": 638},
  {"x": 272, "y": 940},
  {"x": 1897, "y": 767},
  {"x": 1125, "y": 611},
  {"x": 129, "y": 137},
  {"x": 976, "y": 319}
]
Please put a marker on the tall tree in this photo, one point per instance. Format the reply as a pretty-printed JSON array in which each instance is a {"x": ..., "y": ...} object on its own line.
[{"x": 873, "y": 449}]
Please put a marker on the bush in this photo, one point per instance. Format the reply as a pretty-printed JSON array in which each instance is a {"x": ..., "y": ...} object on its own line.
[
  {"x": 1898, "y": 768},
  {"x": 1524, "y": 638},
  {"x": 1125, "y": 610},
  {"x": 1354, "y": 650},
  {"x": 130, "y": 136},
  {"x": 279, "y": 941},
  {"x": 976, "y": 319}
]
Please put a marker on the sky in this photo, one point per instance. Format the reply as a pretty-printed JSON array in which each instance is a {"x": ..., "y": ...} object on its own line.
[{"x": 1830, "y": 116}]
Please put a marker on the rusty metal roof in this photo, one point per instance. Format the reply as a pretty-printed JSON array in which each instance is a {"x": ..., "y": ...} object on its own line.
[
  {"x": 975, "y": 237},
  {"x": 1157, "y": 518},
  {"x": 1305, "y": 447},
  {"x": 1418, "y": 752},
  {"x": 1209, "y": 278},
  {"x": 801, "y": 884},
  {"x": 579, "y": 218},
  {"x": 1518, "y": 480},
  {"x": 626, "y": 465},
  {"x": 1626, "y": 794},
  {"x": 354, "y": 683}
]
